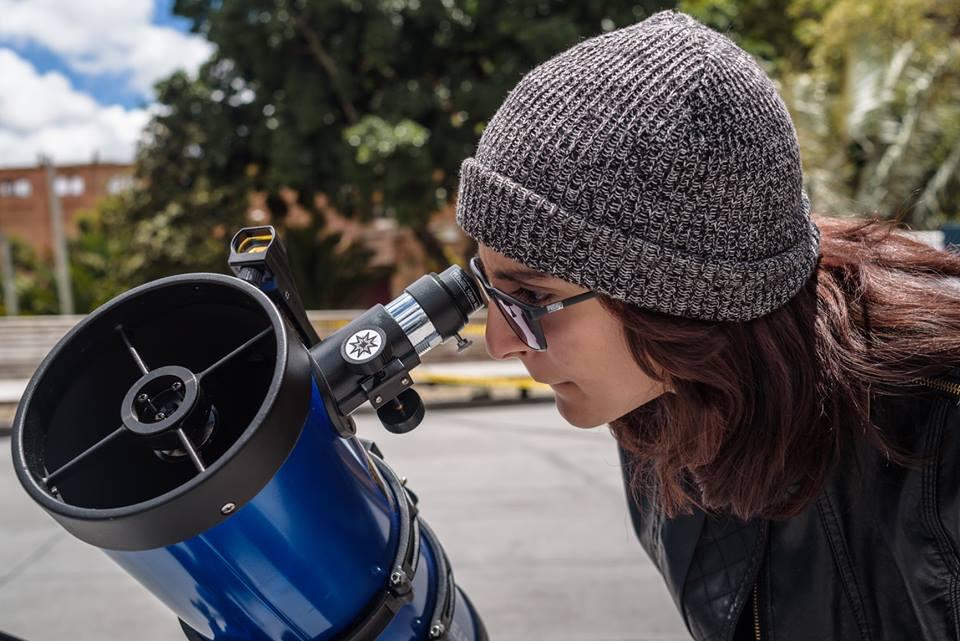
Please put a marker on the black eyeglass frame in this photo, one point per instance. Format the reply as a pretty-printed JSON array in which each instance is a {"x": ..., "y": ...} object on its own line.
[{"x": 531, "y": 313}]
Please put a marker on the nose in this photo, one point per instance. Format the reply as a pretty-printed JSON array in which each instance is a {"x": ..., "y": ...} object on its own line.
[{"x": 501, "y": 341}]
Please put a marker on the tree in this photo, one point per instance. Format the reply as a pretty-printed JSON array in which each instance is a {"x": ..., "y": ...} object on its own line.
[
  {"x": 314, "y": 257},
  {"x": 369, "y": 105},
  {"x": 771, "y": 30},
  {"x": 874, "y": 90},
  {"x": 878, "y": 111},
  {"x": 33, "y": 281},
  {"x": 106, "y": 257},
  {"x": 373, "y": 103}
]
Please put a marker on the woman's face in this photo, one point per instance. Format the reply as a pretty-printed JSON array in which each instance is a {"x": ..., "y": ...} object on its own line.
[{"x": 587, "y": 362}]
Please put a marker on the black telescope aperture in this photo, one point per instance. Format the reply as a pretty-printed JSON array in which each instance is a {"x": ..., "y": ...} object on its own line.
[{"x": 167, "y": 403}]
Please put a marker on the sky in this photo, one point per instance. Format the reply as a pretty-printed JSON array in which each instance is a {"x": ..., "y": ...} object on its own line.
[{"x": 76, "y": 77}]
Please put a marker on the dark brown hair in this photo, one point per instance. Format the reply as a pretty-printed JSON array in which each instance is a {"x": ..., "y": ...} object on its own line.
[{"x": 760, "y": 410}]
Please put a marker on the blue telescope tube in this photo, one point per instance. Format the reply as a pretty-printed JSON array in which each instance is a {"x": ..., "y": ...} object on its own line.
[{"x": 299, "y": 562}]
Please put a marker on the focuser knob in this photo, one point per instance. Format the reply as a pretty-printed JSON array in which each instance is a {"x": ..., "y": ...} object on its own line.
[{"x": 403, "y": 413}]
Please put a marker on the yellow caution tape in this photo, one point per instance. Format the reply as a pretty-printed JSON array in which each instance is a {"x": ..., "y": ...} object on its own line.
[
  {"x": 474, "y": 329},
  {"x": 521, "y": 382},
  {"x": 329, "y": 326}
]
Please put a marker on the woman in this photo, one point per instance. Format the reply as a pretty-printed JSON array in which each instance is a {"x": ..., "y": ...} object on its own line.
[{"x": 783, "y": 387}]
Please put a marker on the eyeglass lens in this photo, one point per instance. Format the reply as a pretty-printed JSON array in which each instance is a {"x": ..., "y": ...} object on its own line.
[
  {"x": 519, "y": 323},
  {"x": 511, "y": 313}
]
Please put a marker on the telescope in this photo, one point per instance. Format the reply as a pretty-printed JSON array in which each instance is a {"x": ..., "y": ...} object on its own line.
[{"x": 198, "y": 431}]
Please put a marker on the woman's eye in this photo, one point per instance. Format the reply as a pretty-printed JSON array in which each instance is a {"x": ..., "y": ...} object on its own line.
[{"x": 530, "y": 296}]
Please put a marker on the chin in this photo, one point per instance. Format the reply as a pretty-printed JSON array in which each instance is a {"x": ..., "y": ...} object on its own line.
[{"x": 580, "y": 416}]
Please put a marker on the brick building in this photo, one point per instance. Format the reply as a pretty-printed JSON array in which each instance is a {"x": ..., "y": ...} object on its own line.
[
  {"x": 24, "y": 199},
  {"x": 25, "y": 215}
]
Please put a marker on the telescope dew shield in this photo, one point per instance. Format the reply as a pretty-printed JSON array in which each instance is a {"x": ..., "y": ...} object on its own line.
[{"x": 185, "y": 429}]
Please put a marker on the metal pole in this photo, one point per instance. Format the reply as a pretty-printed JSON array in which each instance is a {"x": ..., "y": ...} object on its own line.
[
  {"x": 9, "y": 286},
  {"x": 61, "y": 260}
]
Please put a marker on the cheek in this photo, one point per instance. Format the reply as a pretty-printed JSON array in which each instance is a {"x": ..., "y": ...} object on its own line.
[
  {"x": 606, "y": 381},
  {"x": 593, "y": 348}
]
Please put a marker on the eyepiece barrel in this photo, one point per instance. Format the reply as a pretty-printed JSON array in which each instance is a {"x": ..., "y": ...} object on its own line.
[{"x": 435, "y": 307}]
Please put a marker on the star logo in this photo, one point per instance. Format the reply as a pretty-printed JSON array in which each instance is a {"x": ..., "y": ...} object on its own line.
[{"x": 363, "y": 343}]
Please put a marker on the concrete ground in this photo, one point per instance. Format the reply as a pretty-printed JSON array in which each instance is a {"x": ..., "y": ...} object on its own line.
[{"x": 530, "y": 510}]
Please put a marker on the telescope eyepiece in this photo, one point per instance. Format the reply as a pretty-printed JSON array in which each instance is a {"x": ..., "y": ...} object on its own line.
[
  {"x": 463, "y": 289},
  {"x": 448, "y": 299},
  {"x": 370, "y": 359}
]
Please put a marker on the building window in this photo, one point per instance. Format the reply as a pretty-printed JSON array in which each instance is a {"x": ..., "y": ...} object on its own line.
[
  {"x": 119, "y": 183},
  {"x": 19, "y": 188},
  {"x": 22, "y": 188},
  {"x": 69, "y": 186}
]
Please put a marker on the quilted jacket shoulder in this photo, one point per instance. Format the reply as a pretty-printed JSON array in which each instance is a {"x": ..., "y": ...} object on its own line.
[{"x": 874, "y": 558}]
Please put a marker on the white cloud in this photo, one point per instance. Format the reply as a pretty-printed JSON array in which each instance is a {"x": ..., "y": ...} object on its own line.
[
  {"x": 44, "y": 114},
  {"x": 106, "y": 36}
]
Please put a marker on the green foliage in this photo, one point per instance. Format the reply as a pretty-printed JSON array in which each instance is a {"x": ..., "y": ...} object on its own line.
[
  {"x": 874, "y": 90},
  {"x": 372, "y": 103},
  {"x": 878, "y": 110},
  {"x": 104, "y": 262},
  {"x": 768, "y": 29},
  {"x": 33, "y": 281},
  {"x": 340, "y": 280}
]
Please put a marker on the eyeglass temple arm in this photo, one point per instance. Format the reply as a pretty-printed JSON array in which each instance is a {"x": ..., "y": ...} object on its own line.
[{"x": 567, "y": 302}]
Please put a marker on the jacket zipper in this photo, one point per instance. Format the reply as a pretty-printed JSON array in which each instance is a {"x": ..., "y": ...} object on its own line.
[
  {"x": 756, "y": 612},
  {"x": 942, "y": 385},
  {"x": 943, "y": 540}
]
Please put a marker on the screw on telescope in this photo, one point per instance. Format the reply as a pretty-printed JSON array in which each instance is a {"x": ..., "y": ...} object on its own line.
[
  {"x": 159, "y": 416},
  {"x": 176, "y": 386},
  {"x": 462, "y": 343},
  {"x": 437, "y": 630},
  {"x": 398, "y": 578},
  {"x": 143, "y": 398},
  {"x": 228, "y": 508}
]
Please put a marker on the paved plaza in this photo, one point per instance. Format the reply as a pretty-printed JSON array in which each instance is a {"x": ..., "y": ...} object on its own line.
[{"x": 530, "y": 510}]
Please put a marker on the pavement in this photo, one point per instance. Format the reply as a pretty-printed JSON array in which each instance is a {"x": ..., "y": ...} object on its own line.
[{"x": 530, "y": 510}]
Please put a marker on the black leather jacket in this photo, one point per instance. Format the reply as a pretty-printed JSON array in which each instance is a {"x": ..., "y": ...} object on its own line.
[{"x": 874, "y": 558}]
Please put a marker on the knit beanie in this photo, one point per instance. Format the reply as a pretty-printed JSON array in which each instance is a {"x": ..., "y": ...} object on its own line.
[{"x": 655, "y": 164}]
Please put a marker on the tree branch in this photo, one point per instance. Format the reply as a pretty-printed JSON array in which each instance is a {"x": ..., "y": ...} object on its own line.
[{"x": 322, "y": 57}]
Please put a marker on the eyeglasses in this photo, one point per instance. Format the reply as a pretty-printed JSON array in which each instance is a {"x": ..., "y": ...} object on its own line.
[{"x": 523, "y": 318}]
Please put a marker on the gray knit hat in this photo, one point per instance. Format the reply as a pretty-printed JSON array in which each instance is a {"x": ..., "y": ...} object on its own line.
[{"x": 656, "y": 164}]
